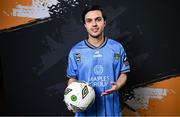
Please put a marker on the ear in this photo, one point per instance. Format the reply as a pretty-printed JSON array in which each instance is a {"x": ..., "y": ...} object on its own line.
[
  {"x": 85, "y": 25},
  {"x": 104, "y": 23}
]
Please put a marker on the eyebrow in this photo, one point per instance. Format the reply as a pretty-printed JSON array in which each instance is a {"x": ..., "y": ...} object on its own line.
[{"x": 91, "y": 18}]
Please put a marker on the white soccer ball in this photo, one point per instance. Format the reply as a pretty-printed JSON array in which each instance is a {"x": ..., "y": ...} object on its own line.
[{"x": 79, "y": 96}]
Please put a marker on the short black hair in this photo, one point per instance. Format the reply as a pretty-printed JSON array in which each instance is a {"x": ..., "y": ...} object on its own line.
[{"x": 93, "y": 8}]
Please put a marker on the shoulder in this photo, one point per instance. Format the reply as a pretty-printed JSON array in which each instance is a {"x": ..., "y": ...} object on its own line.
[
  {"x": 114, "y": 43},
  {"x": 77, "y": 46}
]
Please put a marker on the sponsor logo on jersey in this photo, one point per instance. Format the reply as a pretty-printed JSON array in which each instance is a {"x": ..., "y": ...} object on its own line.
[
  {"x": 98, "y": 69},
  {"x": 116, "y": 56},
  {"x": 78, "y": 57},
  {"x": 99, "y": 81},
  {"x": 97, "y": 54}
]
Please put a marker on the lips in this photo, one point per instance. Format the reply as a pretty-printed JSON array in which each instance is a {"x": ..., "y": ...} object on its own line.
[{"x": 95, "y": 30}]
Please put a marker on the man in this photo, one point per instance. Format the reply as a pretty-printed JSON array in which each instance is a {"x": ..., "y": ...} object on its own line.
[{"x": 101, "y": 62}]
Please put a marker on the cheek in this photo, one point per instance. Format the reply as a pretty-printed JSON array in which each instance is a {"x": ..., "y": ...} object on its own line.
[
  {"x": 87, "y": 26},
  {"x": 102, "y": 24}
]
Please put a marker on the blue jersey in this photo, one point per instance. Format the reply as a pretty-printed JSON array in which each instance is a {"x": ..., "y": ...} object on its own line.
[{"x": 99, "y": 66}]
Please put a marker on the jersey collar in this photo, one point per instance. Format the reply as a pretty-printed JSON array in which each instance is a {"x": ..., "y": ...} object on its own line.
[{"x": 94, "y": 47}]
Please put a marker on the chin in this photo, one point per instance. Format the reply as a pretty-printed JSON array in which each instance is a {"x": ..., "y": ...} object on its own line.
[{"x": 96, "y": 35}]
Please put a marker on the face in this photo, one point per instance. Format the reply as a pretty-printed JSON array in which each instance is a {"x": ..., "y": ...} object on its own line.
[{"x": 94, "y": 23}]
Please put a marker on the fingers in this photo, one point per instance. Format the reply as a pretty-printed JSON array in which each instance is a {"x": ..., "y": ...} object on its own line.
[
  {"x": 70, "y": 110},
  {"x": 113, "y": 83},
  {"x": 104, "y": 93},
  {"x": 107, "y": 92},
  {"x": 114, "y": 88}
]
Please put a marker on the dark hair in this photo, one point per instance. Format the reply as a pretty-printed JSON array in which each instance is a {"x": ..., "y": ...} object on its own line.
[{"x": 93, "y": 8}]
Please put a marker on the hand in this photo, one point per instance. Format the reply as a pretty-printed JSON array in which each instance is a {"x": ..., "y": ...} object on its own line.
[
  {"x": 115, "y": 87},
  {"x": 69, "y": 109}
]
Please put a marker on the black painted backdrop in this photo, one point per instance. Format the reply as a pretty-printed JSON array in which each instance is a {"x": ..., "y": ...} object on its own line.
[{"x": 34, "y": 56}]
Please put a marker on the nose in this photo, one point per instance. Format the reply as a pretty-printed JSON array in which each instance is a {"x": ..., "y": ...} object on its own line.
[{"x": 94, "y": 23}]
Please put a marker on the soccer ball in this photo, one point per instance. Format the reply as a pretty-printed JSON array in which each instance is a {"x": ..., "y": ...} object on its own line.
[{"x": 79, "y": 96}]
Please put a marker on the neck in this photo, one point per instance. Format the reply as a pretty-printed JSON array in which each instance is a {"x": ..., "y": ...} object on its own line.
[{"x": 96, "y": 41}]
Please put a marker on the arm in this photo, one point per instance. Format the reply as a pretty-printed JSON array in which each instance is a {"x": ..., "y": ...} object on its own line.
[{"x": 116, "y": 85}]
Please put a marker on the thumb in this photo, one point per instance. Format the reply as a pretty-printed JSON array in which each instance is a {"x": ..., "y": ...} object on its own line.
[{"x": 113, "y": 83}]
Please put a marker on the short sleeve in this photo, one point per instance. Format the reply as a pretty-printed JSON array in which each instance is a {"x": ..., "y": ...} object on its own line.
[
  {"x": 125, "y": 67},
  {"x": 72, "y": 66}
]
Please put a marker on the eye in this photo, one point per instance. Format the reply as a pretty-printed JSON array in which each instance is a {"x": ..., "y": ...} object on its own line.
[
  {"x": 99, "y": 19},
  {"x": 88, "y": 20}
]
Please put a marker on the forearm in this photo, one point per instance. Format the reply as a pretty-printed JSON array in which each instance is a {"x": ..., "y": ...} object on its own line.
[{"x": 121, "y": 80}]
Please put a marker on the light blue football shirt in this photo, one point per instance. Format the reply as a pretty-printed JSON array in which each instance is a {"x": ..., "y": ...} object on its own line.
[{"x": 99, "y": 66}]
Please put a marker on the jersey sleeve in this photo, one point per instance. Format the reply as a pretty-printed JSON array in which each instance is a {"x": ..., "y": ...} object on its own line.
[
  {"x": 72, "y": 66},
  {"x": 125, "y": 67}
]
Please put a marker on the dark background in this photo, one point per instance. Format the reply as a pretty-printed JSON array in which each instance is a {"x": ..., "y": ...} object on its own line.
[{"x": 33, "y": 57}]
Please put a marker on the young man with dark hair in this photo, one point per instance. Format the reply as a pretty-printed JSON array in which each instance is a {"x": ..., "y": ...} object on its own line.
[{"x": 101, "y": 62}]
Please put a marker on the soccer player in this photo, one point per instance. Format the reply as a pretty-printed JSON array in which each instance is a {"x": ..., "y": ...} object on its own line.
[{"x": 101, "y": 62}]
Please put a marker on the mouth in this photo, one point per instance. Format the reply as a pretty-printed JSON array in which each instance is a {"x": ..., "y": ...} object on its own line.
[{"x": 95, "y": 30}]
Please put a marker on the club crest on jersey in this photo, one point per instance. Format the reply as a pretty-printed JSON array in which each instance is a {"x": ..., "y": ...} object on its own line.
[
  {"x": 116, "y": 56},
  {"x": 126, "y": 62},
  {"x": 78, "y": 57}
]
